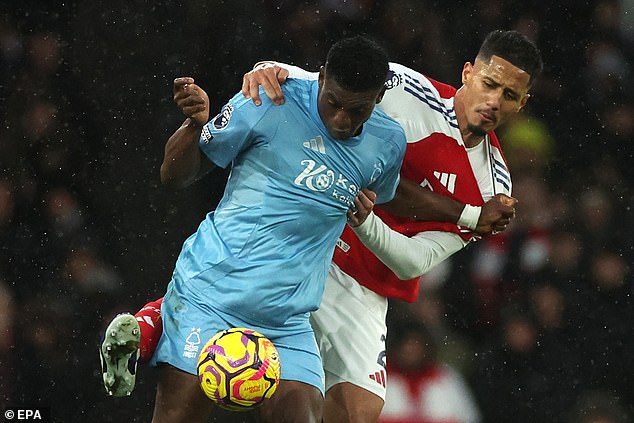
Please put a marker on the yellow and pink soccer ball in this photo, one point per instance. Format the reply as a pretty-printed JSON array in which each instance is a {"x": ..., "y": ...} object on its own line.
[{"x": 239, "y": 368}]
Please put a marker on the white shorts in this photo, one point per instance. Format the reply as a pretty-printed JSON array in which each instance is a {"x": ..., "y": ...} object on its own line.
[{"x": 350, "y": 330}]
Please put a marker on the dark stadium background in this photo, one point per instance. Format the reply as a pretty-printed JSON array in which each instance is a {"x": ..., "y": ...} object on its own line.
[{"x": 87, "y": 231}]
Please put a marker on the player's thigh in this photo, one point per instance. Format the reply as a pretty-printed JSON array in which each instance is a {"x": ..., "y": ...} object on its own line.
[
  {"x": 348, "y": 403},
  {"x": 350, "y": 330},
  {"x": 179, "y": 398},
  {"x": 293, "y": 402}
]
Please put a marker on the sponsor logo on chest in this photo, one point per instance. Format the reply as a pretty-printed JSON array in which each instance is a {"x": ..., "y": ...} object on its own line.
[{"x": 320, "y": 178}]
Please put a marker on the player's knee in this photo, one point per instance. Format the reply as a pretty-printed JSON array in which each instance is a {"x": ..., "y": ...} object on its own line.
[
  {"x": 352, "y": 411},
  {"x": 293, "y": 402},
  {"x": 295, "y": 413},
  {"x": 180, "y": 399},
  {"x": 361, "y": 413}
]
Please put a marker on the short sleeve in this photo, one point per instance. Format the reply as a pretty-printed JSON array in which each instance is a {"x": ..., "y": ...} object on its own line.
[{"x": 230, "y": 132}]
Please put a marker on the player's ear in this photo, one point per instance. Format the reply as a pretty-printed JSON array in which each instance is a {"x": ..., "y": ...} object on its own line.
[
  {"x": 379, "y": 97},
  {"x": 523, "y": 102},
  {"x": 466, "y": 71},
  {"x": 322, "y": 75}
]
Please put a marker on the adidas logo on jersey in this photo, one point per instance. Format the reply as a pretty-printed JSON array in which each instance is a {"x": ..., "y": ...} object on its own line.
[
  {"x": 448, "y": 180},
  {"x": 316, "y": 144},
  {"x": 146, "y": 319}
]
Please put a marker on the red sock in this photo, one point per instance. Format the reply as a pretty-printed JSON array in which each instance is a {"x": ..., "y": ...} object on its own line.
[{"x": 151, "y": 324}]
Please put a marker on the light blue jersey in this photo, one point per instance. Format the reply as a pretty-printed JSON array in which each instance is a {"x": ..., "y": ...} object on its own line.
[{"x": 262, "y": 257}]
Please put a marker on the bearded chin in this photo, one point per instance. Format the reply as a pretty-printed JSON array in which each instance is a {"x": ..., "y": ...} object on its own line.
[{"x": 476, "y": 130}]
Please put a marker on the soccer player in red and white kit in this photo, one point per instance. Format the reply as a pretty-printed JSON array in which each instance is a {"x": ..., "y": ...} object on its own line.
[{"x": 453, "y": 151}]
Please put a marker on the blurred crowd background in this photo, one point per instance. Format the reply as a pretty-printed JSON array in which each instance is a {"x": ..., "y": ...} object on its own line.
[{"x": 532, "y": 325}]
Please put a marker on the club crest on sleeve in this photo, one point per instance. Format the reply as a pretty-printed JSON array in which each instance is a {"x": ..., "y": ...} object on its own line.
[
  {"x": 376, "y": 173},
  {"x": 222, "y": 119},
  {"x": 393, "y": 80}
]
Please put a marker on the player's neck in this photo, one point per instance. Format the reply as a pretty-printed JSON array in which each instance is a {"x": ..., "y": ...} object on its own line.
[{"x": 470, "y": 138}]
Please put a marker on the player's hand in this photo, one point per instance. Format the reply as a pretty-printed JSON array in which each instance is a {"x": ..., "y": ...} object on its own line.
[
  {"x": 363, "y": 204},
  {"x": 191, "y": 99},
  {"x": 496, "y": 214},
  {"x": 270, "y": 76}
]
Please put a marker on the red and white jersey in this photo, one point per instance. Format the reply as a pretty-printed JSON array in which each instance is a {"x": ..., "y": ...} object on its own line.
[{"x": 437, "y": 159}]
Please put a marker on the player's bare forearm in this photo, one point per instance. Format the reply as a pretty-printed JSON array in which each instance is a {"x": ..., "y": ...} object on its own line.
[
  {"x": 183, "y": 163},
  {"x": 182, "y": 160},
  {"x": 415, "y": 202}
]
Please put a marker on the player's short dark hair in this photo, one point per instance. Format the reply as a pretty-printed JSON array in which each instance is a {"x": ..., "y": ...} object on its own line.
[
  {"x": 515, "y": 48},
  {"x": 357, "y": 64}
]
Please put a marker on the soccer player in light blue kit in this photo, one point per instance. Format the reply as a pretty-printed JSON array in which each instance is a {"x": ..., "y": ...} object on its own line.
[{"x": 260, "y": 260}]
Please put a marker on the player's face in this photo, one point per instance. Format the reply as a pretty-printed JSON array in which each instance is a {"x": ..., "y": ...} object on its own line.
[
  {"x": 491, "y": 93},
  {"x": 343, "y": 112}
]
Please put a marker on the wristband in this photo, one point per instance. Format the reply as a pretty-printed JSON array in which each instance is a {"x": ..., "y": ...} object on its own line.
[{"x": 470, "y": 216}]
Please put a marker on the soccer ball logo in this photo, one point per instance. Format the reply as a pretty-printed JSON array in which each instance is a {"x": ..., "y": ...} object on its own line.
[
  {"x": 324, "y": 181},
  {"x": 239, "y": 368}
]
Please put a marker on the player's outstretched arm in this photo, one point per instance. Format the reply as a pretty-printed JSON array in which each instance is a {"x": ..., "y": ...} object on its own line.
[
  {"x": 183, "y": 163},
  {"x": 415, "y": 202},
  {"x": 407, "y": 257}
]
